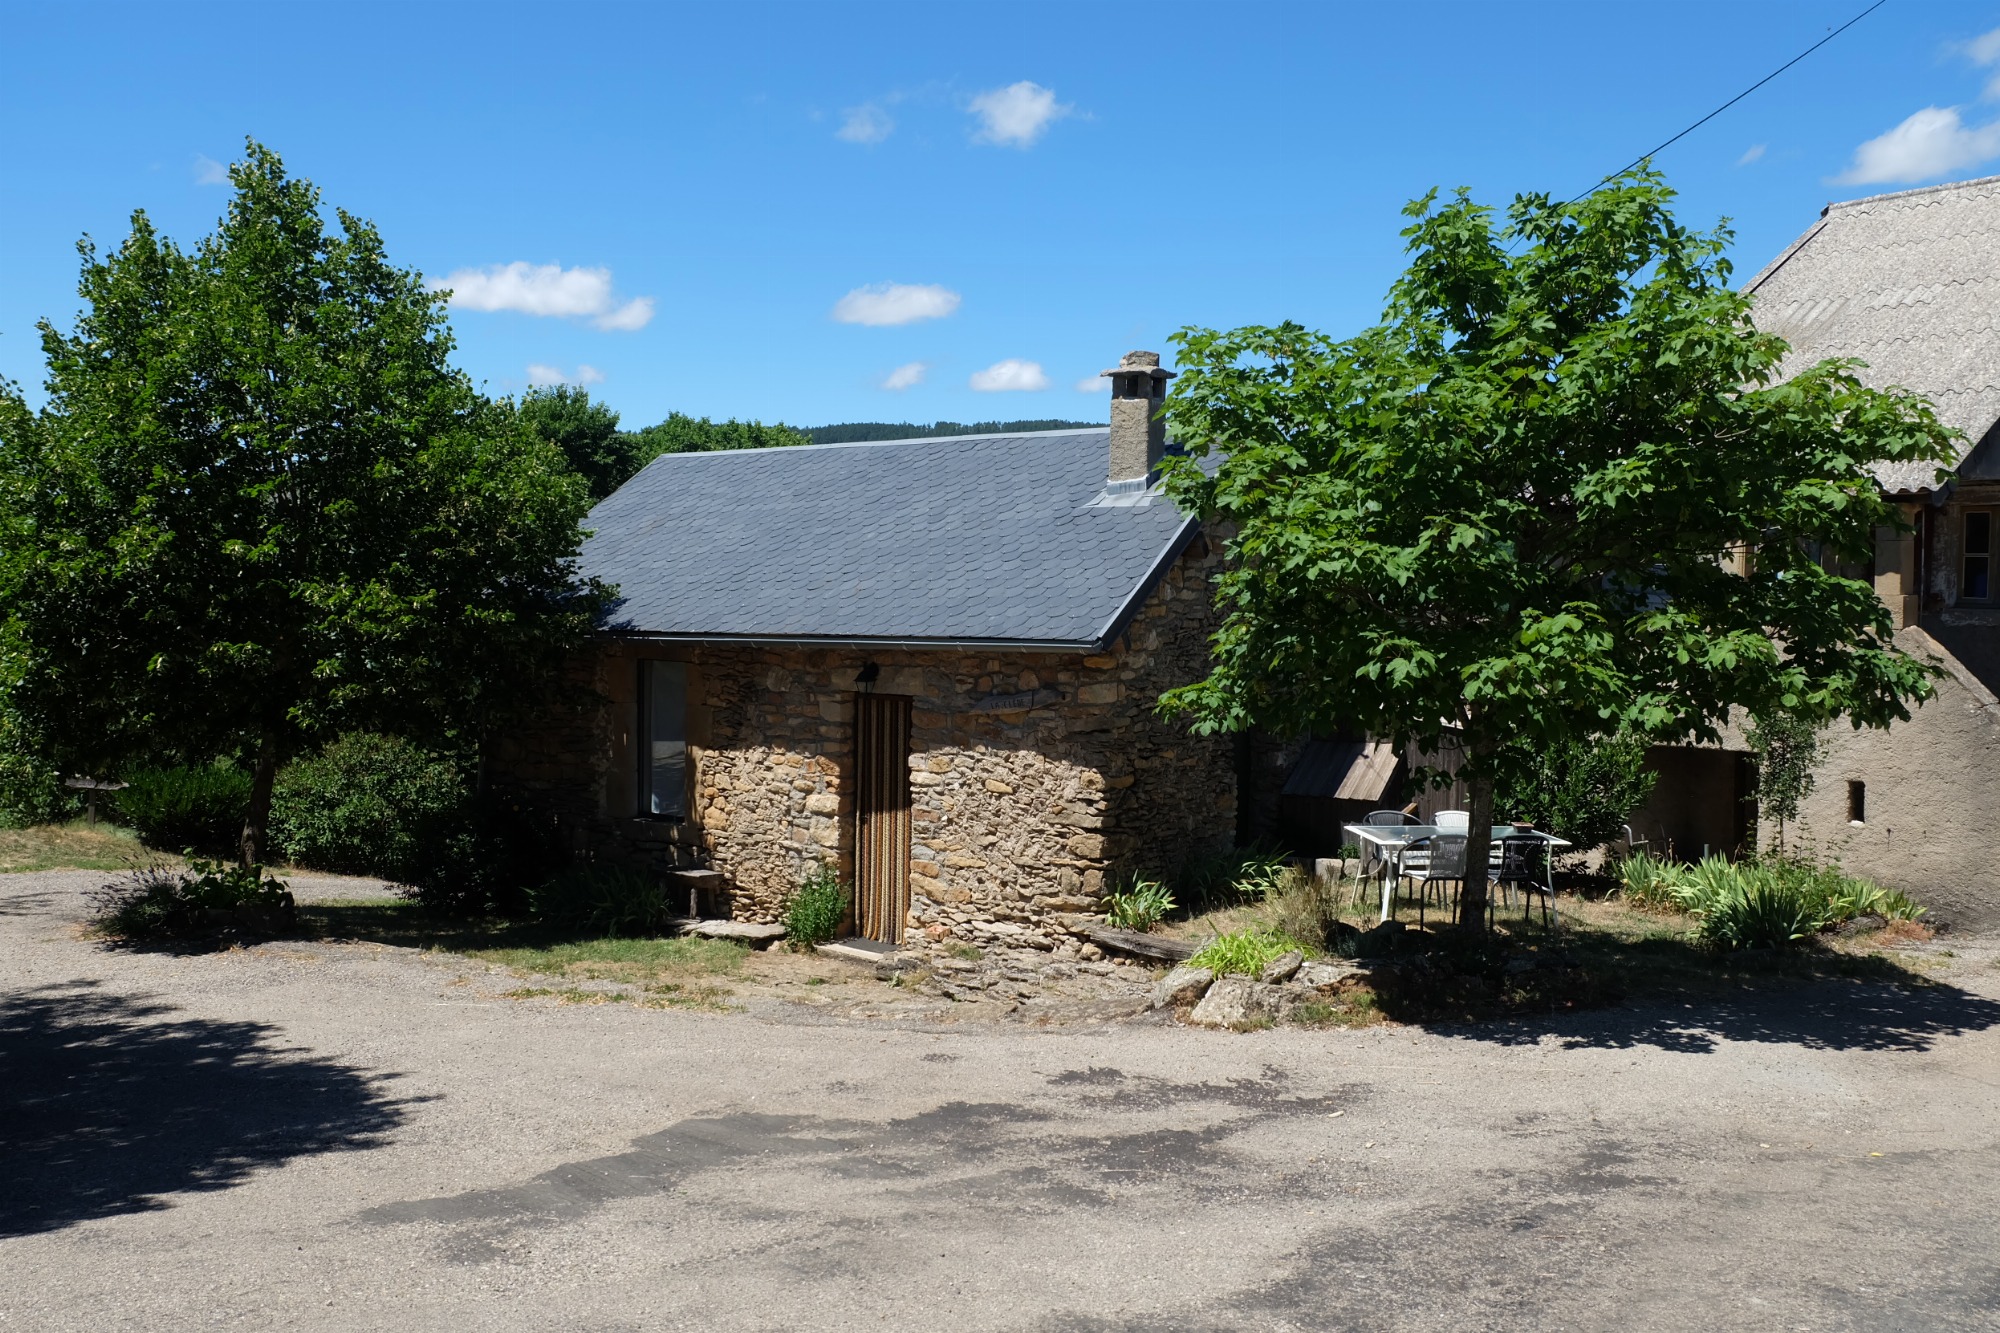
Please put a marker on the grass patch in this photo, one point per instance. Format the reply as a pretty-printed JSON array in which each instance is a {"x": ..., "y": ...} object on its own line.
[
  {"x": 668, "y": 995},
  {"x": 525, "y": 947},
  {"x": 1349, "y": 1009},
  {"x": 74, "y": 846},
  {"x": 636, "y": 961}
]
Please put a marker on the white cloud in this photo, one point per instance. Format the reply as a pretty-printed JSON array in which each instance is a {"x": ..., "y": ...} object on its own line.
[
  {"x": 1093, "y": 384},
  {"x": 544, "y": 377},
  {"x": 1010, "y": 375},
  {"x": 867, "y": 123},
  {"x": 1751, "y": 154},
  {"x": 1017, "y": 114},
  {"x": 546, "y": 289},
  {"x": 889, "y": 303},
  {"x": 905, "y": 376},
  {"x": 1933, "y": 142},
  {"x": 1984, "y": 51},
  {"x": 208, "y": 171}
]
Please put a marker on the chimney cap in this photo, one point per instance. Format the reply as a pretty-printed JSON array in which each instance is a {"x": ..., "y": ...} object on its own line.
[{"x": 1147, "y": 363}]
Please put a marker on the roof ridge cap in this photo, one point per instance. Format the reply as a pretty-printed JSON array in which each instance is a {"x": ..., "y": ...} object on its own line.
[{"x": 1910, "y": 194}]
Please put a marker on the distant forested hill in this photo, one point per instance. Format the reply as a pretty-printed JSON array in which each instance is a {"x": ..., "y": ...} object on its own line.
[{"x": 911, "y": 430}]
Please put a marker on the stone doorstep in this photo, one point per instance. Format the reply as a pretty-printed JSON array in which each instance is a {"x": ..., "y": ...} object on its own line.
[{"x": 857, "y": 950}]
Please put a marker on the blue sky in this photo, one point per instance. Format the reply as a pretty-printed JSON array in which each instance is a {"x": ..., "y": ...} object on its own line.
[{"x": 819, "y": 213}]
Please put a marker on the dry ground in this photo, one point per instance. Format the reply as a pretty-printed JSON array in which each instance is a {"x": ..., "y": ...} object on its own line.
[{"x": 346, "y": 1136}]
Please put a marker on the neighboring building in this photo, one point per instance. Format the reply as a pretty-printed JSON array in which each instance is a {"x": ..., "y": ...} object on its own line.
[
  {"x": 1909, "y": 283},
  {"x": 932, "y": 662}
]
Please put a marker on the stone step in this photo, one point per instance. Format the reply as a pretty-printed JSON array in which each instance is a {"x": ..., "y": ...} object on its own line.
[{"x": 857, "y": 950}]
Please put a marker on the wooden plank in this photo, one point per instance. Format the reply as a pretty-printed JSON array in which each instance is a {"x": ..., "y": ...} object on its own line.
[{"x": 1143, "y": 945}]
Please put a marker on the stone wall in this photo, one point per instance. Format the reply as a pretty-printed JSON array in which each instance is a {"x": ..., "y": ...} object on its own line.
[{"x": 1035, "y": 778}]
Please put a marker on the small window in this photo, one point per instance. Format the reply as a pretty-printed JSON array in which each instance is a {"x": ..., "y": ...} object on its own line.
[
  {"x": 663, "y": 753},
  {"x": 1857, "y": 802},
  {"x": 1977, "y": 582}
]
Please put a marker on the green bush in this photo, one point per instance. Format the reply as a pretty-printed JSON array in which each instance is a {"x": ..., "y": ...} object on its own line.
[
  {"x": 1137, "y": 904},
  {"x": 817, "y": 907},
  {"x": 606, "y": 900},
  {"x": 368, "y": 804},
  {"x": 187, "y": 808},
  {"x": 1246, "y": 951},
  {"x": 1308, "y": 909},
  {"x": 157, "y": 902},
  {"x": 1764, "y": 904},
  {"x": 1584, "y": 790}
]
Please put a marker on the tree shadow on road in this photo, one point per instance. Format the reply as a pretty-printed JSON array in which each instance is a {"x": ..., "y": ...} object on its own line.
[
  {"x": 109, "y": 1102},
  {"x": 1873, "y": 1013}
]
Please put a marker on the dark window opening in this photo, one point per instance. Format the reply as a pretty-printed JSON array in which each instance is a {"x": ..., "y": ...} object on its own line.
[
  {"x": 663, "y": 744},
  {"x": 1976, "y": 583},
  {"x": 1857, "y": 802}
]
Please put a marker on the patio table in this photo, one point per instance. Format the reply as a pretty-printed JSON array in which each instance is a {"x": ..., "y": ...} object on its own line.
[{"x": 1388, "y": 840}]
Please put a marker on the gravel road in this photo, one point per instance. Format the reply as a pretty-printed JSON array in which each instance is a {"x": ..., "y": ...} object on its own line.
[{"x": 349, "y": 1137}]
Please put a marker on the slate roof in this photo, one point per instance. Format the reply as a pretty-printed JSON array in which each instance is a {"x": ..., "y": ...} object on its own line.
[
  {"x": 998, "y": 540},
  {"x": 1910, "y": 283}
]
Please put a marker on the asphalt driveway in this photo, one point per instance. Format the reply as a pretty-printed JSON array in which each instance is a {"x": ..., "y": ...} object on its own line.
[{"x": 352, "y": 1137}]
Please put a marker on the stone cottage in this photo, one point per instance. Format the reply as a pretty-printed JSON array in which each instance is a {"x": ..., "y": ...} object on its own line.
[
  {"x": 1910, "y": 283},
  {"x": 931, "y": 663}
]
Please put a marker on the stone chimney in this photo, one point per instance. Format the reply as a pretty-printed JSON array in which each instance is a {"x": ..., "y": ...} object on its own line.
[{"x": 1138, "y": 436}]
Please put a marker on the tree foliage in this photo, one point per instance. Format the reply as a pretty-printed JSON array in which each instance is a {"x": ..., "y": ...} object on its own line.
[
  {"x": 260, "y": 507},
  {"x": 587, "y": 434},
  {"x": 1515, "y": 508},
  {"x": 683, "y": 434},
  {"x": 1788, "y": 748},
  {"x": 1585, "y": 788}
]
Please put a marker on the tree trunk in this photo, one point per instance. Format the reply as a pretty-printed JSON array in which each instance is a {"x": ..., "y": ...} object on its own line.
[
  {"x": 1478, "y": 848},
  {"x": 262, "y": 776}
]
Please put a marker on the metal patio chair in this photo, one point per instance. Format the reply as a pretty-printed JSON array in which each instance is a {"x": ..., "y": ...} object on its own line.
[
  {"x": 1442, "y": 861},
  {"x": 1526, "y": 867}
]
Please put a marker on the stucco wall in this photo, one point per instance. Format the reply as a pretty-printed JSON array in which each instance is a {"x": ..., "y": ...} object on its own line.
[
  {"x": 1932, "y": 817},
  {"x": 1034, "y": 777}
]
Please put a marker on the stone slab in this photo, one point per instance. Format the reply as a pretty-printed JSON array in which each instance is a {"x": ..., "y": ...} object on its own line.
[
  {"x": 749, "y": 932},
  {"x": 857, "y": 950}
]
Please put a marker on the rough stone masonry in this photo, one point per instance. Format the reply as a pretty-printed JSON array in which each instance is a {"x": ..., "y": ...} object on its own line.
[{"x": 1035, "y": 778}]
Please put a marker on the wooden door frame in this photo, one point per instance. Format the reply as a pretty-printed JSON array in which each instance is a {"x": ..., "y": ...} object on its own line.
[{"x": 881, "y": 815}]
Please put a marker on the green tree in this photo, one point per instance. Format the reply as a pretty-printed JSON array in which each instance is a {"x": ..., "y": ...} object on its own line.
[
  {"x": 261, "y": 508},
  {"x": 1584, "y": 788},
  {"x": 1559, "y": 491},
  {"x": 586, "y": 432},
  {"x": 683, "y": 434},
  {"x": 1788, "y": 748}
]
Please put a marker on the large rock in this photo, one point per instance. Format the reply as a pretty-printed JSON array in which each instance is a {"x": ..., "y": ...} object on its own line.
[
  {"x": 1282, "y": 968},
  {"x": 1183, "y": 985},
  {"x": 1234, "y": 1001},
  {"x": 1324, "y": 973}
]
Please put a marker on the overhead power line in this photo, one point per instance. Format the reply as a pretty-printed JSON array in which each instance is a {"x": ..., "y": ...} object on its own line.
[{"x": 1740, "y": 96}]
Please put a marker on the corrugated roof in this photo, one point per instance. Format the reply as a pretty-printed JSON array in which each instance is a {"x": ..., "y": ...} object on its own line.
[
  {"x": 1343, "y": 770},
  {"x": 994, "y": 539},
  {"x": 1910, "y": 283}
]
